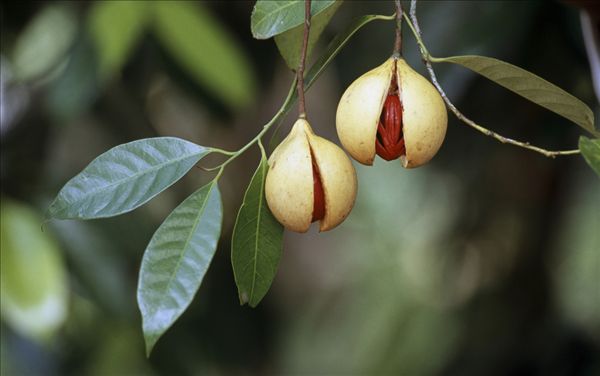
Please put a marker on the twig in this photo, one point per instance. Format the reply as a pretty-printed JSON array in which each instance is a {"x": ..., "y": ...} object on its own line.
[
  {"x": 398, "y": 41},
  {"x": 288, "y": 102},
  {"x": 300, "y": 71},
  {"x": 277, "y": 117},
  {"x": 413, "y": 23}
]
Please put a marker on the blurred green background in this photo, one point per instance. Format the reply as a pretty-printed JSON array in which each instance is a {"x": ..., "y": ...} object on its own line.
[{"x": 484, "y": 262}]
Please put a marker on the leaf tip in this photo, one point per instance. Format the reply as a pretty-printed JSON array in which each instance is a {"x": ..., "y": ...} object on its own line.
[
  {"x": 148, "y": 350},
  {"x": 51, "y": 211},
  {"x": 150, "y": 336},
  {"x": 150, "y": 341},
  {"x": 243, "y": 297},
  {"x": 47, "y": 216},
  {"x": 253, "y": 29}
]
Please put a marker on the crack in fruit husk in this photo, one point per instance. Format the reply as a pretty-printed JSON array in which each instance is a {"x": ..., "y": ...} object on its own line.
[{"x": 319, "y": 194}]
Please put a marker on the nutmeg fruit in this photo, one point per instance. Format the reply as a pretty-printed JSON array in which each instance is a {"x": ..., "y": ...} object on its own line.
[
  {"x": 394, "y": 112},
  {"x": 309, "y": 179}
]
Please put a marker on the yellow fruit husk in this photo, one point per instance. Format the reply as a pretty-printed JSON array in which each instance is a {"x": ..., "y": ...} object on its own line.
[
  {"x": 424, "y": 116},
  {"x": 359, "y": 110},
  {"x": 289, "y": 183}
]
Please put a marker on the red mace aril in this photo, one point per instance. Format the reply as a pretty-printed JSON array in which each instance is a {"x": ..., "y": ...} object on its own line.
[
  {"x": 319, "y": 195},
  {"x": 390, "y": 139}
]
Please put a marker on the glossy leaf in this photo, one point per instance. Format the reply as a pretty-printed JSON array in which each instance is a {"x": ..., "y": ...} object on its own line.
[
  {"x": 116, "y": 27},
  {"x": 44, "y": 43},
  {"x": 270, "y": 18},
  {"x": 177, "y": 259},
  {"x": 207, "y": 51},
  {"x": 529, "y": 86},
  {"x": 590, "y": 150},
  {"x": 289, "y": 43},
  {"x": 125, "y": 177},
  {"x": 257, "y": 242},
  {"x": 33, "y": 282}
]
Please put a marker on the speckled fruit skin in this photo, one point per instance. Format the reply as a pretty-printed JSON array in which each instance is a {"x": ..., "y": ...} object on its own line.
[
  {"x": 289, "y": 184},
  {"x": 424, "y": 115}
]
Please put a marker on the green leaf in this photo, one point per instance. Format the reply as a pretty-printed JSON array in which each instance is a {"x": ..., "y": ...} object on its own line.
[
  {"x": 125, "y": 177},
  {"x": 33, "y": 281},
  {"x": 177, "y": 259},
  {"x": 289, "y": 43},
  {"x": 257, "y": 242},
  {"x": 44, "y": 43},
  {"x": 590, "y": 150},
  {"x": 270, "y": 18},
  {"x": 116, "y": 26},
  {"x": 529, "y": 86},
  {"x": 206, "y": 50}
]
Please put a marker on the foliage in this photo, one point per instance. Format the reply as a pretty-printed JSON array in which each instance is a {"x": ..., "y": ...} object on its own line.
[
  {"x": 529, "y": 86},
  {"x": 190, "y": 34},
  {"x": 271, "y": 18},
  {"x": 590, "y": 149},
  {"x": 129, "y": 175},
  {"x": 42, "y": 47},
  {"x": 288, "y": 41},
  {"x": 177, "y": 259},
  {"x": 207, "y": 52},
  {"x": 33, "y": 280},
  {"x": 125, "y": 177},
  {"x": 257, "y": 242}
]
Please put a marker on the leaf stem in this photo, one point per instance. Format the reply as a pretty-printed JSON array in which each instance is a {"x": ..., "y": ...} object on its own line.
[
  {"x": 398, "y": 41},
  {"x": 263, "y": 153},
  {"x": 413, "y": 23},
  {"x": 278, "y": 115},
  {"x": 221, "y": 169},
  {"x": 301, "y": 65},
  {"x": 221, "y": 151}
]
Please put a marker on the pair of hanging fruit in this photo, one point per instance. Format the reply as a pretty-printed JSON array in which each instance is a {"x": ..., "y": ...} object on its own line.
[{"x": 390, "y": 111}]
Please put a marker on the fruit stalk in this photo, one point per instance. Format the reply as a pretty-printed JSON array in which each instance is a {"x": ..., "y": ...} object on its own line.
[
  {"x": 302, "y": 63},
  {"x": 398, "y": 41}
]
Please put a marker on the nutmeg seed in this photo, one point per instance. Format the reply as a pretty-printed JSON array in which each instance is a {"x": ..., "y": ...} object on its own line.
[
  {"x": 309, "y": 179},
  {"x": 389, "y": 143},
  {"x": 367, "y": 121}
]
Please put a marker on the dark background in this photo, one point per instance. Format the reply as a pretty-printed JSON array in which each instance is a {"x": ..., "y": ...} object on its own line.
[{"x": 485, "y": 261}]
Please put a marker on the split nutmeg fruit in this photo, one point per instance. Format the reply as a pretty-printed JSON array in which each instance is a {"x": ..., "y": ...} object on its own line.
[
  {"x": 310, "y": 179},
  {"x": 394, "y": 112}
]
